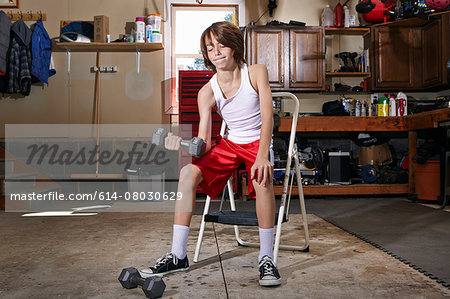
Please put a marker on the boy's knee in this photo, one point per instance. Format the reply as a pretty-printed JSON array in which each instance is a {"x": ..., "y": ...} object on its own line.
[{"x": 190, "y": 172}]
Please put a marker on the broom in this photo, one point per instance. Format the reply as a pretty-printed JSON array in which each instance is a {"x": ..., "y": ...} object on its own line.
[{"x": 97, "y": 175}]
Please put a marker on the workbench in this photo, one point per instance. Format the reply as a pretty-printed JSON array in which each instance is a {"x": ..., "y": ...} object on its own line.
[{"x": 410, "y": 124}]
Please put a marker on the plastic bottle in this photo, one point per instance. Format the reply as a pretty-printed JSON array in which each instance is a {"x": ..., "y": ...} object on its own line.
[
  {"x": 327, "y": 17},
  {"x": 383, "y": 107},
  {"x": 148, "y": 31},
  {"x": 155, "y": 24},
  {"x": 392, "y": 106},
  {"x": 346, "y": 17},
  {"x": 339, "y": 15},
  {"x": 140, "y": 30}
]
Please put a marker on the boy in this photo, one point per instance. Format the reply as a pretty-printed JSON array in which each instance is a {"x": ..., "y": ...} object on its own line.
[{"x": 243, "y": 98}]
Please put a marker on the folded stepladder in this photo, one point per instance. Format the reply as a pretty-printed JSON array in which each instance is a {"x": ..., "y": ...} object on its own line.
[{"x": 246, "y": 218}]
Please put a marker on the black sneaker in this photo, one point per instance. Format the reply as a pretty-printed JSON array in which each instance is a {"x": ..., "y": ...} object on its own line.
[
  {"x": 168, "y": 263},
  {"x": 268, "y": 273}
]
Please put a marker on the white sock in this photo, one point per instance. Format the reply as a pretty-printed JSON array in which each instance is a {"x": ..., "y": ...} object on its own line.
[
  {"x": 266, "y": 242},
  {"x": 179, "y": 240}
]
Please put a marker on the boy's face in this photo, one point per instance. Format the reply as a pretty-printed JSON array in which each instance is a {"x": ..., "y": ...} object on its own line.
[{"x": 220, "y": 55}]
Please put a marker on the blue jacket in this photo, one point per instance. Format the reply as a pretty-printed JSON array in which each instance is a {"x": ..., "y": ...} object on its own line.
[{"x": 41, "y": 53}]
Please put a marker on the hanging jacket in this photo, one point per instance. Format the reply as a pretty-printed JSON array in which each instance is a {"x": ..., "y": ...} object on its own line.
[
  {"x": 5, "y": 28},
  {"x": 19, "y": 73},
  {"x": 41, "y": 53}
]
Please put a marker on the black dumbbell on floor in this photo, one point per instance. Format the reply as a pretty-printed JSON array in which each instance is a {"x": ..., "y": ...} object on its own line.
[
  {"x": 153, "y": 287},
  {"x": 196, "y": 146}
]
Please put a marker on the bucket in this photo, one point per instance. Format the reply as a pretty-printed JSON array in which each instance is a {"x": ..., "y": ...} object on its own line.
[{"x": 428, "y": 180}]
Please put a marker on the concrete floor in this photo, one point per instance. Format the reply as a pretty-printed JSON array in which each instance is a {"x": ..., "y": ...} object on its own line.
[{"x": 81, "y": 257}]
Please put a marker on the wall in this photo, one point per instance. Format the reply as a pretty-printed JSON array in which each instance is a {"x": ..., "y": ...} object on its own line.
[{"x": 127, "y": 97}]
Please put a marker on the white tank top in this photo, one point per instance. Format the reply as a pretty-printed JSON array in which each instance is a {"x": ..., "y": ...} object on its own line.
[{"x": 241, "y": 111}]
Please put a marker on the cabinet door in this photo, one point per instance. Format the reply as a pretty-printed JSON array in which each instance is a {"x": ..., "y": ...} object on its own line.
[
  {"x": 432, "y": 54},
  {"x": 267, "y": 46},
  {"x": 307, "y": 59},
  {"x": 394, "y": 57}
]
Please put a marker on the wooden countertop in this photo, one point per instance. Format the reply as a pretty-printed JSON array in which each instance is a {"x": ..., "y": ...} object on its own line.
[{"x": 417, "y": 121}]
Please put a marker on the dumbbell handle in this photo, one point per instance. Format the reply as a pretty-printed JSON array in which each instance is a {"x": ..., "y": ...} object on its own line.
[
  {"x": 185, "y": 143},
  {"x": 138, "y": 280}
]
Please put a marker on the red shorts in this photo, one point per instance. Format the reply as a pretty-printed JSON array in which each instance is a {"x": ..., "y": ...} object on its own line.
[{"x": 218, "y": 164}]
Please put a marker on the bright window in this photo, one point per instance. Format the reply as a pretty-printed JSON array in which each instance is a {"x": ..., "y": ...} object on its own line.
[{"x": 187, "y": 22}]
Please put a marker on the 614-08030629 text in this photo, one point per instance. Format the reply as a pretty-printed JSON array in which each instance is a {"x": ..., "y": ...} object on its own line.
[{"x": 102, "y": 196}]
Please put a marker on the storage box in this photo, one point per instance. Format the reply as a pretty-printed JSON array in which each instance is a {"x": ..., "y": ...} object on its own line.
[
  {"x": 101, "y": 28},
  {"x": 379, "y": 154},
  {"x": 339, "y": 167}
]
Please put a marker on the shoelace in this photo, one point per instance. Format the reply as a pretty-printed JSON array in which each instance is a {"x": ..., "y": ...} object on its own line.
[
  {"x": 165, "y": 258},
  {"x": 268, "y": 268}
]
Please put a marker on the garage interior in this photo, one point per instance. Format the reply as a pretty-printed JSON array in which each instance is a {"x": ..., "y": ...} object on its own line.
[{"x": 372, "y": 139}]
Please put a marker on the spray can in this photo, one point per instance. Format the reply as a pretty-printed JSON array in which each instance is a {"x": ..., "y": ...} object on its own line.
[
  {"x": 363, "y": 109},
  {"x": 358, "y": 108},
  {"x": 369, "y": 109},
  {"x": 375, "y": 107}
]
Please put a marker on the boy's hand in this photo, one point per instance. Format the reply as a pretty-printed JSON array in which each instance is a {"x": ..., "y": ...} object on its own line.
[
  {"x": 263, "y": 170},
  {"x": 172, "y": 142}
]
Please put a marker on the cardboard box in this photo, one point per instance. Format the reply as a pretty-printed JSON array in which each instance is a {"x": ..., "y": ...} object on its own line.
[
  {"x": 101, "y": 28},
  {"x": 379, "y": 154}
]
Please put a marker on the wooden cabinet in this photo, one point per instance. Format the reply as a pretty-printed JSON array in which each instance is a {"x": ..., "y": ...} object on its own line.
[
  {"x": 411, "y": 54},
  {"x": 436, "y": 52},
  {"x": 266, "y": 45},
  {"x": 294, "y": 56},
  {"x": 394, "y": 56},
  {"x": 432, "y": 54}
]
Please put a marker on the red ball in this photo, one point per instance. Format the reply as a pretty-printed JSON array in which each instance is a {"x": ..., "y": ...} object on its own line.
[{"x": 437, "y": 4}]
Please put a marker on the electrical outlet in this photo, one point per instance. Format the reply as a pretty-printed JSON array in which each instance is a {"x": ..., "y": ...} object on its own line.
[{"x": 105, "y": 69}]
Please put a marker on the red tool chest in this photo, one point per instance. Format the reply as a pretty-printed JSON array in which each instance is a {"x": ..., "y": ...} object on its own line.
[{"x": 190, "y": 82}]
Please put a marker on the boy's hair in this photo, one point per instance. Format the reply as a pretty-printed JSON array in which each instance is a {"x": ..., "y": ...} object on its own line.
[{"x": 228, "y": 35}]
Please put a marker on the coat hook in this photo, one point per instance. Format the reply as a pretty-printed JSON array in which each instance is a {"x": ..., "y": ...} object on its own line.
[
  {"x": 21, "y": 15},
  {"x": 31, "y": 15},
  {"x": 40, "y": 13}
]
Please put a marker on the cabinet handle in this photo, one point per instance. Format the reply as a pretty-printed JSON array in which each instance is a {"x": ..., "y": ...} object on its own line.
[
  {"x": 292, "y": 81},
  {"x": 282, "y": 79},
  {"x": 379, "y": 81}
]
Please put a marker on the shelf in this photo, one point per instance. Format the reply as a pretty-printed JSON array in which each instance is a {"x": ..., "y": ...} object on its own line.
[
  {"x": 348, "y": 31},
  {"x": 348, "y": 74},
  {"x": 349, "y": 92},
  {"x": 359, "y": 189},
  {"x": 106, "y": 47},
  {"x": 419, "y": 121}
]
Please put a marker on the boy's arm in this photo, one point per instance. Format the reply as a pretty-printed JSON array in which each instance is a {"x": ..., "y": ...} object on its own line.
[
  {"x": 262, "y": 164},
  {"x": 205, "y": 103}
]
